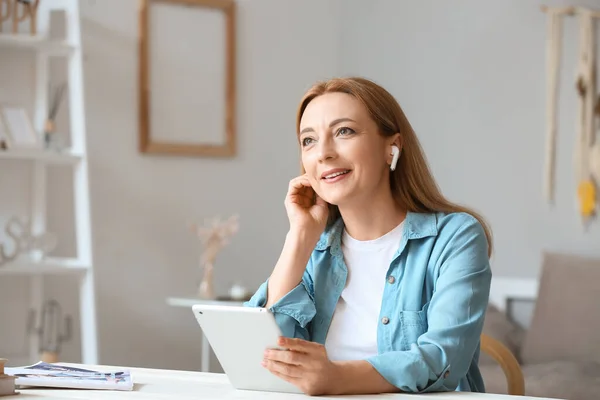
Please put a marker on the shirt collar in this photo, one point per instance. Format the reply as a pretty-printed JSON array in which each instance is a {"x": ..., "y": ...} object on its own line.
[{"x": 416, "y": 226}]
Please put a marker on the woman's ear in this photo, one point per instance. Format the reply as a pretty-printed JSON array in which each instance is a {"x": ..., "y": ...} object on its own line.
[
  {"x": 398, "y": 140},
  {"x": 395, "y": 140}
]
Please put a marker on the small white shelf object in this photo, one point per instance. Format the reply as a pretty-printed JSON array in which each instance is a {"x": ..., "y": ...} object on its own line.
[{"x": 43, "y": 48}]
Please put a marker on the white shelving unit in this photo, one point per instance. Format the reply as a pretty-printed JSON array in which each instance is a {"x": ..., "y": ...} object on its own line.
[
  {"x": 46, "y": 157},
  {"x": 37, "y": 43},
  {"x": 46, "y": 266},
  {"x": 76, "y": 158}
]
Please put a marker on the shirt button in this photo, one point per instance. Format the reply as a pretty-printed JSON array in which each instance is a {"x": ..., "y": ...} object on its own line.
[
  {"x": 385, "y": 320},
  {"x": 446, "y": 374},
  {"x": 391, "y": 279}
]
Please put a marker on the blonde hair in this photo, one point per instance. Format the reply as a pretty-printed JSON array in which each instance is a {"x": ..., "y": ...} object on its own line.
[{"x": 412, "y": 183}]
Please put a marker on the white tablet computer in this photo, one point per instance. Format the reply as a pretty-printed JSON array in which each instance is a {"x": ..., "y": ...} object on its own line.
[{"x": 239, "y": 336}]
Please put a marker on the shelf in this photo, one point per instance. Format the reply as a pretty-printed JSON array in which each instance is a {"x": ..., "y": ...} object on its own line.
[
  {"x": 35, "y": 43},
  {"x": 46, "y": 266},
  {"x": 48, "y": 156}
]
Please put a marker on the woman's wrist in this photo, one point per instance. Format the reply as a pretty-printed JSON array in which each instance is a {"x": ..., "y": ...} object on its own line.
[
  {"x": 288, "y": 272},
  {"x": 357, "y": 377},
  {"x": 342, "y": 374},
  {"x": 302, "y": 240}
]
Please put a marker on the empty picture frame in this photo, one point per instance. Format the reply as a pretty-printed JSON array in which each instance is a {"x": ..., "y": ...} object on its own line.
[{"x": 187, "y": 77}]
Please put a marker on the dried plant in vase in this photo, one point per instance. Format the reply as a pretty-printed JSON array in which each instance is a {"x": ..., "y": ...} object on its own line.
[
  {"x": 214, "y": 235},
  {"x": 56, "y": 97}
]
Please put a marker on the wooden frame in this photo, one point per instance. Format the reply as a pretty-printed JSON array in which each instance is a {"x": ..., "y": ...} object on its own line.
[{"x": 146, "y": 144}]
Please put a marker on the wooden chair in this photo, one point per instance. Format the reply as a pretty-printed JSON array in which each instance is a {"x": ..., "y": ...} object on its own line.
[{"x": 508, "y": 362}]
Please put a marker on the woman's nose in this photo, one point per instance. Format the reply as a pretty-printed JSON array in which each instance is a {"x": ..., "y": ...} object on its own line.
[{"x": 326, "y": 150}]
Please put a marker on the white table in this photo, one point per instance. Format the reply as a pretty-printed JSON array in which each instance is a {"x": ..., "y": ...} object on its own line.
[
  {"x": 188, "y": 302},
  {"x": 154, "y": 384}
]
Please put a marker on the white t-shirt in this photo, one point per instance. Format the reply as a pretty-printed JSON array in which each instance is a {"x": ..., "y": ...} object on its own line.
[{"x": 353, "y": 331}]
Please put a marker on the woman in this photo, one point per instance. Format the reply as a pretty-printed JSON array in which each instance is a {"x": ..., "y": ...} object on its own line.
[{"x": 382, "y": 283}]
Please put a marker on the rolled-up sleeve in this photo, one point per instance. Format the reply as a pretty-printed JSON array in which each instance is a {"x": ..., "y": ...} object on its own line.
[
  {"x": 442, "y": 355},
  {"x": 294, "y": 311}
]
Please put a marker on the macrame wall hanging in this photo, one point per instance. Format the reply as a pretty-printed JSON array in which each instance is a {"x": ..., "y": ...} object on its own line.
[{"x": 587, "y": 148}]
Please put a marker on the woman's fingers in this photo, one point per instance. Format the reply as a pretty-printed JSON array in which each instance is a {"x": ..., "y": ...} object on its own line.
[
  {"x": 299, "y": 345},
  {"x": 288, "y": 370},
  {"x": 294, "y": 381},
  {"x": 299, "y": 182},
  {"x": 301, "y": 192},
  {"x": 286, "y": 356}
]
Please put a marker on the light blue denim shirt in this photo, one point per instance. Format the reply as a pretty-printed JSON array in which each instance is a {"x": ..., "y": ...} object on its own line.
[{"x": 432, "y": 311}]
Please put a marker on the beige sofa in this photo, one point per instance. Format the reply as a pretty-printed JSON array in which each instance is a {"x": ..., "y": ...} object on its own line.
[{"x": 560, "y": 351}]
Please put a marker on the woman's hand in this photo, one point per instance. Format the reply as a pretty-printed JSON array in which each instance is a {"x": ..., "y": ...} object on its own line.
[
  {"x": 306, "y": 211},
  {"x": 305, "y": 365},
  {"x": 308, "y": 217}
]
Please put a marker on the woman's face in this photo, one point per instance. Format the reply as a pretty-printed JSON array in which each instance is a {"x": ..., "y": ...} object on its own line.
[{"x": 345, "y": 157}]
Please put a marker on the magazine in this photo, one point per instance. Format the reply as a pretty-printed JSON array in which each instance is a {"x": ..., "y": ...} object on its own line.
[{"x": 63, "y": 376}]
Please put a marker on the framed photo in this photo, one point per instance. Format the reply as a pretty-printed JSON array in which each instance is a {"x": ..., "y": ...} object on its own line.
[
  {"x": 17, "y": 129},
  {"x": 187, "y": 92}
]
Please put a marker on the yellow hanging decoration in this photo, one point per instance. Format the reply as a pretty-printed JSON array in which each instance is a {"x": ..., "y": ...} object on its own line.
[
  {"x": 586, "y": 88},
  {"x": 587, "y": 146},
  {"x": 587, "y": 198}
]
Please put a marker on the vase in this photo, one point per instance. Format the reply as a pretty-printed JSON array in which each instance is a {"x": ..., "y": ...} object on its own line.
[{"x": 206, "y": 289}]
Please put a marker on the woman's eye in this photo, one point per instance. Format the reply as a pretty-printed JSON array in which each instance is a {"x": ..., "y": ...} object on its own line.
[
  {"x": 306, "y": 141},
  {"x": 345, "y": 131}
]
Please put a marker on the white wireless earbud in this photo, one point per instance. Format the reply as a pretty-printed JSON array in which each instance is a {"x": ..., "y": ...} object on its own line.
[{"x": 395, "y": 156}]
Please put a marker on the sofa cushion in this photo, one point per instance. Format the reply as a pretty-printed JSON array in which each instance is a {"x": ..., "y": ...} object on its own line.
[
  {"x": 560, "y": 379},
  {"x": 566, "y": 320},
  {"x": 498, "y": 326}
]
